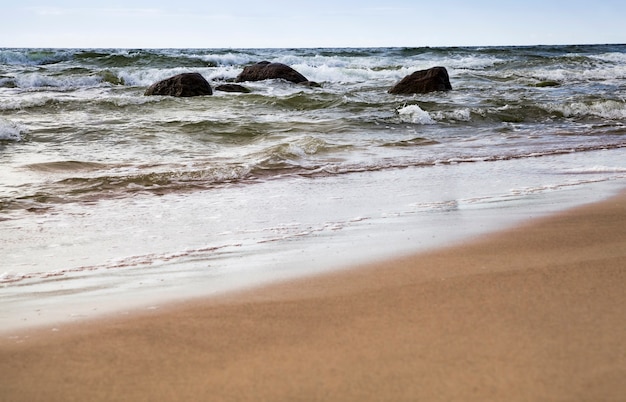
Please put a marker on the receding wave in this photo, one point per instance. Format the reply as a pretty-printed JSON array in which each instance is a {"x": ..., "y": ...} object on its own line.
[
  {"x": 65, "y": 166},
  {"x": 127, "y": 262},
  {"x": 413, "y": 142},
  {"x": 282, "y": 160}
]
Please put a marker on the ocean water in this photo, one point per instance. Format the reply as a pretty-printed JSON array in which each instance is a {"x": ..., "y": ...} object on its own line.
[{"x": 111, "y": 199}]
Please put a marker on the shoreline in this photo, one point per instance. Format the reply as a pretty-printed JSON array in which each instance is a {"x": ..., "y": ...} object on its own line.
[
  {"x": 530, "y": 313},
  {"x": 120, "y": 256}
]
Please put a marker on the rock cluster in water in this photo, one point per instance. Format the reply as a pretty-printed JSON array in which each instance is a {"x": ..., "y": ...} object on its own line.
[{"x": 194, "y": 84}]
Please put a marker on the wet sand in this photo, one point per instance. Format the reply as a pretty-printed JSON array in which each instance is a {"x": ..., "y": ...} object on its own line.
[{"x": 530, "y": 314}]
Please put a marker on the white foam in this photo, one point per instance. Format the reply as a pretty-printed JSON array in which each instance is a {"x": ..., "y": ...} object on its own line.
[
  {"x": 471, "y": 62},
  {"x": 607, "y": 109},
  {"x": 456, "y": 115},
  {"x": 38, "y": 80},
  {"x": 229, "y": 59},
  {"x": 16, "y": 103},
  {"x": 415, "y": 114},
  {"x": 7, "y": 277},
  {"x": 612, "y": 57},
  {"x": 10, "y": 131},
  {"x": 345, "y": 69},
  {"x": 147, "y": 77},
  {"x": 597, "y": 169}
]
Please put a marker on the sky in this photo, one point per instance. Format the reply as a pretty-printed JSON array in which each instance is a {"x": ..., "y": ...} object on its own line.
[{"x": 318, "y": 23}]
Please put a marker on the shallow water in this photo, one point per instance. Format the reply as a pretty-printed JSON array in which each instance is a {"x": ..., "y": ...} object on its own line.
[{"x": 110, "y": 199}]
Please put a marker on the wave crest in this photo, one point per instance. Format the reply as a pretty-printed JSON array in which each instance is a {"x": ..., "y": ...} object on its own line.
[
  {"x": 10, "y": 131},
  {"x": 415, "y": 114}
]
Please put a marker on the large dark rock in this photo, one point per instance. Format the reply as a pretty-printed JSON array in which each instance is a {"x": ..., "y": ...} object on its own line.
[
  {"x": 422, "y": 81},
  {"x": 265, "y": 70},
  {"x": 187, "y": 84}
]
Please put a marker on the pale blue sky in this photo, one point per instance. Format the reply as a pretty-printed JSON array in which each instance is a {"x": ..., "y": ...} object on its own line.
[{"x": 320, "y": 23}]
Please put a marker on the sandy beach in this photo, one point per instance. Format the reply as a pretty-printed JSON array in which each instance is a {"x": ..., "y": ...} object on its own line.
[{"x": 536, "y": 313}]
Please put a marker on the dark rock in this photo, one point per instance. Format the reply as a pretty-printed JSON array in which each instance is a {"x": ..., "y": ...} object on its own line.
[
  {"x": 544, "y": 84},
  {"x": 265, "y": 70},
  {"x": 184, "y": 85},
  {"x": 311, "y": 84},
  {"x": 232, "y": 88},
  {"x": 422, "y": 81}
]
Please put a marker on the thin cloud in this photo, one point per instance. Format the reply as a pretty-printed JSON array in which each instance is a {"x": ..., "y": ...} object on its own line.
[
  {"x": 388, "y": 10},
  {"x": 47, "y": 11},
  {"x": 119, "y": 12}
]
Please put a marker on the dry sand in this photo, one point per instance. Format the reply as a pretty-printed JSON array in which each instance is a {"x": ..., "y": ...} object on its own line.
[{"x": 537, "y": 313}]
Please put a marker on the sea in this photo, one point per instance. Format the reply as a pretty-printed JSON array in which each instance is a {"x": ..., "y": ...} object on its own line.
[{"x": 112, "y": 201}]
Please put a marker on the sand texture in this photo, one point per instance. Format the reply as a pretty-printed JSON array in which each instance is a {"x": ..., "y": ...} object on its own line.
[{"x": 537, "y": 313}]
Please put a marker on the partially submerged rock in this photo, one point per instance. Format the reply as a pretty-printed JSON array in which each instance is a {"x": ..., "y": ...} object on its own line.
[
  {"x": 544, "y": 84},
  {"x": 423, "y": 81},
  {"x": 311, "y": 84},
  {"x": 265, "y": 70},
  {"x": 232, "y": 88},
  {"x": 182, "y": 85}
]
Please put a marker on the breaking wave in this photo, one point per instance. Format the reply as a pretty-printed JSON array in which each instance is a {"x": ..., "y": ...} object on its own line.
[{"x": 10, "y": 131}]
